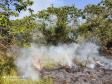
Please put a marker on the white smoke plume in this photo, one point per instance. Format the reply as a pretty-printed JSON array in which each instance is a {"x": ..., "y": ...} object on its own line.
[{"x": 32, "y": 59}]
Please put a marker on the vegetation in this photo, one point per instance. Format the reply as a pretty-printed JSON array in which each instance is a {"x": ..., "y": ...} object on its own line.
[
  {"x": 9, "y": 80},
  {"x": 57, "y": 25}
]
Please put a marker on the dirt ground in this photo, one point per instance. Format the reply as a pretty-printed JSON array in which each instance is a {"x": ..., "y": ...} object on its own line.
[{"x": 79, "y": 75}]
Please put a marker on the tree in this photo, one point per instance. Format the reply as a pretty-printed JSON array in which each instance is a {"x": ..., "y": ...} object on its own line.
[
  {"x": 59, "y": 32},
  {"x": 7, "y": 33},
  {"x": 22, "y": 30},
  {"x": 10, "y": 7},
  {"x": 98, "y": 24},
  {"x": 13, "y": 6}
]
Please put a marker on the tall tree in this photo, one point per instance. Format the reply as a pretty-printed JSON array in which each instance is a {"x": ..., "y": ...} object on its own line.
[
  {"x": 99, "y": 23},
  {"x": 59, "y": 33}
]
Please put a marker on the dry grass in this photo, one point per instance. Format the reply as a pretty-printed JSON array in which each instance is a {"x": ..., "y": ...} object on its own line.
[{"x": 16, "y": 80}]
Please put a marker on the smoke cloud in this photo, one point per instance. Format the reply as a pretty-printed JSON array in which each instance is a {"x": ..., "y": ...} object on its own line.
[{"x": 32, "y": 60}]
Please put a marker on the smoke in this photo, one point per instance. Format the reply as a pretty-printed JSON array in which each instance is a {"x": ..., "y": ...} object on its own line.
[{"x": 33, "y": 59}]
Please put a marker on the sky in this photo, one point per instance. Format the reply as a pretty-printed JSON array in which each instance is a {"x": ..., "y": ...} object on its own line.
[{"x": 43, "y": 4}]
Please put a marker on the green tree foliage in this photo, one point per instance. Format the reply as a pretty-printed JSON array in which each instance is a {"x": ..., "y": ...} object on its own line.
[
  {"x": 9, "y": 30},
  {"x": 22, "y": 30},
  {"x": 59, "y": 32},
  {"x": 12, "y": 7},
  {"x": 98, "y": 23},
  {"x": 4, "y": 29}
]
